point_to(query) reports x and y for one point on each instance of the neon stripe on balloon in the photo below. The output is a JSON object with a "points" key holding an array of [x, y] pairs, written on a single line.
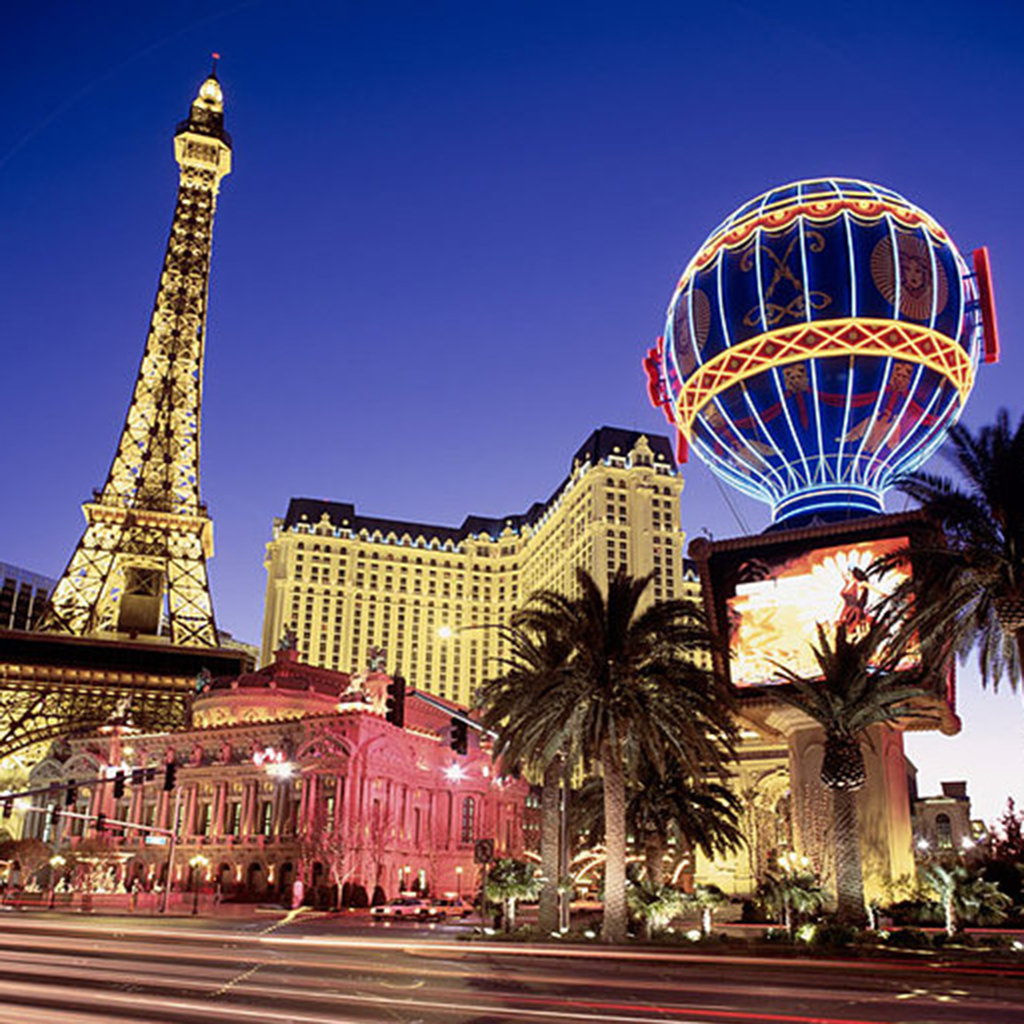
{"points": [[734, 236]]}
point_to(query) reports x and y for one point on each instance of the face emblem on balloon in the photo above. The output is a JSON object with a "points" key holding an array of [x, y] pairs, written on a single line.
{"points": [[920, 281]]}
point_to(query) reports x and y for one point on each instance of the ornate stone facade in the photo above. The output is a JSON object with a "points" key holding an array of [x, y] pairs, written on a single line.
{"points": [[293, 774]]}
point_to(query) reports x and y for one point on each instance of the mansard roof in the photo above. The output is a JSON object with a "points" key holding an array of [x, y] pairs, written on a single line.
{"points": [[600, 445]]}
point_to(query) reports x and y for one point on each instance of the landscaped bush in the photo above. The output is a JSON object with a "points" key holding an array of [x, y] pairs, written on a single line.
{"points": [[832, 934], [909, 938], [753, 913], [914, 912]]}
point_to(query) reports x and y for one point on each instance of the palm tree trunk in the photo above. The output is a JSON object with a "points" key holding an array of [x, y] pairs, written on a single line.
{"points": [[654, 859], [613, 924], [547, 912], [849, 879]]}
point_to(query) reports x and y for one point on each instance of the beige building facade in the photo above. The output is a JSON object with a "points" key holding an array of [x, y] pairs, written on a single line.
{"points": [[432, 595]]}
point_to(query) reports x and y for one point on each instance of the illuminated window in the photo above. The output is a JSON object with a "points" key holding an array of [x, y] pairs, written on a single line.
{"points": [[943, 832], [468, 819]]}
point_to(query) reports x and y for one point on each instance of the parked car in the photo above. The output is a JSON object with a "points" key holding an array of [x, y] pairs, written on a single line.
{"points": [[452, 906], [406, 906]]}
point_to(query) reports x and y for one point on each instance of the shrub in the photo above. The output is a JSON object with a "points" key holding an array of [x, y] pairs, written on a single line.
{"points": [[911, 912], [832, 934], [909, 938]]}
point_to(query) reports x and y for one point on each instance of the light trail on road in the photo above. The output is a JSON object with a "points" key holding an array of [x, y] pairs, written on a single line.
{"points": [[178, 974]]}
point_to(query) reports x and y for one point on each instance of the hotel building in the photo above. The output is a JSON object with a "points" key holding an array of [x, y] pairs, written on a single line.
{"points": [[431, 595]]}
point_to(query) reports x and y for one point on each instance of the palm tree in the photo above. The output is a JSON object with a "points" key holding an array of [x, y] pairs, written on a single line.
{"points": [[965, 896], [513, 705], [707, 899], [791, 895], [862, 682], [633, 685], [698, 814], [971, 589], [656, 905]]}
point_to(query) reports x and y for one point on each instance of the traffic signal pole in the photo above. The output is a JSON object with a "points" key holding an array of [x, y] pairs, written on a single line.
{"points": [[165, 896]]}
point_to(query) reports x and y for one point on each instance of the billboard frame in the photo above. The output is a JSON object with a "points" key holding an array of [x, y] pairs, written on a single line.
{"points": [[718, 562]]}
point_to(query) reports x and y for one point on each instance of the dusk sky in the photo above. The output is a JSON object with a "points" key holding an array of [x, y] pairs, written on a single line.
{"points": [[451, 232]]}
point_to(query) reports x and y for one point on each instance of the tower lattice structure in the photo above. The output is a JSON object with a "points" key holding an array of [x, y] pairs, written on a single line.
{"points": [[140, 566]]}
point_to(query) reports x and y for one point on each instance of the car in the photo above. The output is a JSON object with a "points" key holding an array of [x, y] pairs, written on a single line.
{"points": [[406, 906], [452, 906]]}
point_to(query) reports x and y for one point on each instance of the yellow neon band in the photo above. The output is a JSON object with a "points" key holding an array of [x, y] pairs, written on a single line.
{"points": [[850, 336]]}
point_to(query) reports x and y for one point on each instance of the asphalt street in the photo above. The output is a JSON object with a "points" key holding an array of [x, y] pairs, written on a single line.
{"points": [[311, 969]]}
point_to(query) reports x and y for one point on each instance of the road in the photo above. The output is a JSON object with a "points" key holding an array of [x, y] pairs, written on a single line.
{"points": [[321, 970]]}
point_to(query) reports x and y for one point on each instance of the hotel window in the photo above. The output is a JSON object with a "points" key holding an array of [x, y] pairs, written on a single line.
{"points": [[202, 820], [468, 819]]}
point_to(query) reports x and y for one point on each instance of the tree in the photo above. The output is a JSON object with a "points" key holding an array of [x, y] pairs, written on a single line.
{"points": [[971, 589], [514, 703], [965, 897], [655, 904], [30, 854], [633, 685], [509, 881], [861, 682], [791, 895], [1008, 842], [1004, 860], [326, 843], [697, 814], [707, 899]]}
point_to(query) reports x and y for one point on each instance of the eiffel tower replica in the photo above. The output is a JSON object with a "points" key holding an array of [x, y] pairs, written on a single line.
{"points": [[130, 623]]}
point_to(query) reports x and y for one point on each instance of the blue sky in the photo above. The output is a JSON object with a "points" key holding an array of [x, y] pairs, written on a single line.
{"points": [[452, 230]]}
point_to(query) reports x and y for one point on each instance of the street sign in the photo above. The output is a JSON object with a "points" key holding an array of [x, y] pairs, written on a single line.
{"points": [[483, 851]]}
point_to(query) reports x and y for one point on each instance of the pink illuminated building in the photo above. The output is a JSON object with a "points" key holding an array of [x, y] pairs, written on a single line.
{"points": [[292, 773]]}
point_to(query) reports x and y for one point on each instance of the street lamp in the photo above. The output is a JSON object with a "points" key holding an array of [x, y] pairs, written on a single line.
{"points": [[195, 863], [56, 861], [458, 881]]}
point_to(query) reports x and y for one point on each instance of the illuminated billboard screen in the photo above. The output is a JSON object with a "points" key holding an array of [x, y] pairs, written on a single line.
{"points": [[778, 602]]}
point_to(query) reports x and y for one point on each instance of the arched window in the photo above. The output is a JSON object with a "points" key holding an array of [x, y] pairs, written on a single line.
{"points": [[468, 819], [943, 832]]}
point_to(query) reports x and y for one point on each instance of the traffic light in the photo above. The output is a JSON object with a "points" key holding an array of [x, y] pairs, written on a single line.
{"points": [[138, 776], [8, 806], [101, 823], [54, 814], [71, 794], [170, 776], [118, 785], [396, 701], [460, 736]]}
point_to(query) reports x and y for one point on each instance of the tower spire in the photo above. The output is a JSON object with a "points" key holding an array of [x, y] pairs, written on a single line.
{"points": [[140, 566]]}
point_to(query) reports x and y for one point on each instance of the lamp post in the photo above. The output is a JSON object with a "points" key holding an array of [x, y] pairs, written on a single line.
{"points": [[56, 861], [458, 881], [196, 863]]}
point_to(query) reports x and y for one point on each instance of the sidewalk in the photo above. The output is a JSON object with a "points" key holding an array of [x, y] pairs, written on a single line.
{"points": [[146, 904]]}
